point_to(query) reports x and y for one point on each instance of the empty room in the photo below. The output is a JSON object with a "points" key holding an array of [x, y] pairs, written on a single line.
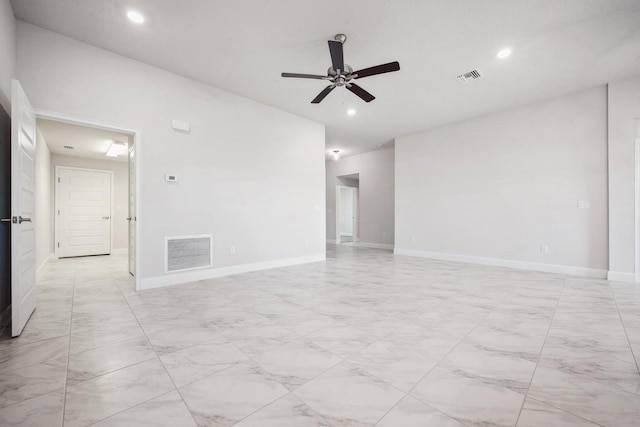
{"points": [[338, 213]]}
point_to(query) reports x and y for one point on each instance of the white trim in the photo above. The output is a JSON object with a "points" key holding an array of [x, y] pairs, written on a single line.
{"points": [[617, 276], [636, 207], [192, 276], [66, 118], [374, 245], [338, 213], [521, 265], [137, 141], [56, 204], [195, 236]]}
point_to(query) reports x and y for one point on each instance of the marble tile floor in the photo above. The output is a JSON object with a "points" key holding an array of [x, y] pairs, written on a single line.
{"points": [[364, 339]]}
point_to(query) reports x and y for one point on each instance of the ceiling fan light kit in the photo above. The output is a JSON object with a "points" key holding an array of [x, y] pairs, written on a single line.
{"points": [[340, 74]]}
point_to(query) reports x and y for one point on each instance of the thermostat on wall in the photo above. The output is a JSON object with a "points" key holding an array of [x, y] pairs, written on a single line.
{"points": [[181, 126], [171, 178]]}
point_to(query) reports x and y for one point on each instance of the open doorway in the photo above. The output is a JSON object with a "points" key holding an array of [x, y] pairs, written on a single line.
{"points": [[85, 176], [347, 209]]}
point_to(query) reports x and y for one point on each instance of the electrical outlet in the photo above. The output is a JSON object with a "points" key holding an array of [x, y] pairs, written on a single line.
{"points": [[232, 250], [413, 239], [544, 249]]}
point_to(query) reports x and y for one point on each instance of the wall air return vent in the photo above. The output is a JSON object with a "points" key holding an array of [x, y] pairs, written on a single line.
{"points": [[188, 252], [467, 77]]}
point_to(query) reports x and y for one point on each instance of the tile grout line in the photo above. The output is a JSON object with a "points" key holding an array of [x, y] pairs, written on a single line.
{"points": [[125, 410], [533, 374], [234, 364], [66, 379], [158, 358], [624, 328], [567, 412], [408, 393]]}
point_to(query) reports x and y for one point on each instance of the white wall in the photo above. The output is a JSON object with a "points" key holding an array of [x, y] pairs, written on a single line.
{"points": [[249, 174], [376, 194], [7, 53], [120, 201], [501, 185], [346, 211], [624, 119], [43, 202]]}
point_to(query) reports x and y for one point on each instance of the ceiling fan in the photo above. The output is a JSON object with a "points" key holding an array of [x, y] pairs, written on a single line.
{"points": [[341, 74]]}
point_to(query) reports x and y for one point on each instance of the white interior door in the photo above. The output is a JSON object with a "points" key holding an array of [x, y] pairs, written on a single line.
{"points": [[132, 210], [23, 254], [83, 212]]}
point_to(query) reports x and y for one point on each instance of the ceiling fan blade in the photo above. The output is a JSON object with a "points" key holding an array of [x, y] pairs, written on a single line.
{"points": [[323, 94], [337, 58], [378, 69], [366, 96], [304, 76]]}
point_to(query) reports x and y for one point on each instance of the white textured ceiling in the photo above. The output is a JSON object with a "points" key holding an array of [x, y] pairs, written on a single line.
{"points": [[559, 46], [87, 142]]}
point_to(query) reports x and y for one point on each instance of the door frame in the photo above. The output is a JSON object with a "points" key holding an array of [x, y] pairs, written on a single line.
{"points": [[356, 213], [137, 141], [636, 191], [56, 204]]}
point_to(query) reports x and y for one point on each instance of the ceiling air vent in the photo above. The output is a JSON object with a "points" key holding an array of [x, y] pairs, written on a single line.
{"points": [[467, 77]]}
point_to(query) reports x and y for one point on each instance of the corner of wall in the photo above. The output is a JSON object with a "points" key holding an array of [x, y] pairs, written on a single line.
{"points": [[7, 53]]}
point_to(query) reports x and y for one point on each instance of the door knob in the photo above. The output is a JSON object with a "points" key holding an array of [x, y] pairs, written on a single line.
{"points": [[106, 217], [22, 219], [129, 218]]}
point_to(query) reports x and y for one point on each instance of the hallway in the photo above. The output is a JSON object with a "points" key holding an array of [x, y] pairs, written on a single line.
{"points": [[366, 338]]}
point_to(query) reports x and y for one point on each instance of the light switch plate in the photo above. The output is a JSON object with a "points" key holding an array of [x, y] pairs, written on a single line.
{"points": [[583, 204]]}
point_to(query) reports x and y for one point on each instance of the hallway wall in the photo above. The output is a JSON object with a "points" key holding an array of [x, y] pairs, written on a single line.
{"points": [[376, 195], [7, 53]]}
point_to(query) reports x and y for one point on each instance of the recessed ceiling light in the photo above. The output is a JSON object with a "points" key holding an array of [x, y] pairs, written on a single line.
{"points": [[335, 154], [504, 53], [136, 17], [351, 111]]}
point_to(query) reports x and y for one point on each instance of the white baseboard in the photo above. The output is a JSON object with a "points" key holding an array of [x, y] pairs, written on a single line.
{"points": [[193, 276], [617, 276], [375, 245], [496, 262]]}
